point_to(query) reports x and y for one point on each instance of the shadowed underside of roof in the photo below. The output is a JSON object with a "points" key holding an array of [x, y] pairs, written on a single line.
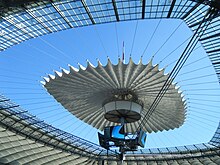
{"points": [[16, 149], [26, 139]]}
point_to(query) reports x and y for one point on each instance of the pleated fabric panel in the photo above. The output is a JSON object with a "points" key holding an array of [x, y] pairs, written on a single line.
{"points": [[83, 91]]}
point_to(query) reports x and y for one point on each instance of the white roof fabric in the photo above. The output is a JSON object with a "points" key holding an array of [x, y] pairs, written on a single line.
{"points": [[82, 92]]}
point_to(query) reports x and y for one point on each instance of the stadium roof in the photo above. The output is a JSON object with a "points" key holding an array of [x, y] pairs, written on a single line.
{"points": [[26, 139], [22, 22], [93, 86]]}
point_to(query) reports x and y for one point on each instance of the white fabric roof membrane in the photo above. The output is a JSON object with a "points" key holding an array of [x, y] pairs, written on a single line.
{"points": [[82, 92]]}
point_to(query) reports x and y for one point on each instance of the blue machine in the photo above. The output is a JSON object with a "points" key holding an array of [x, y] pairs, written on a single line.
{"points": [[115, 136]]}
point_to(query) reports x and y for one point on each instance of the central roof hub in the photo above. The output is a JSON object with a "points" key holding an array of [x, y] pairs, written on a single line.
{"points": [[125, 105]]}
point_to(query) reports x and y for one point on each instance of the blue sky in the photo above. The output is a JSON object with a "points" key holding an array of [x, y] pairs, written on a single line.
{"points": [[24, 65]]}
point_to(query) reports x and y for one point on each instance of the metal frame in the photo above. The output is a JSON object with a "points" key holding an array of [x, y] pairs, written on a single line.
{"points": [[22, 22]]}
